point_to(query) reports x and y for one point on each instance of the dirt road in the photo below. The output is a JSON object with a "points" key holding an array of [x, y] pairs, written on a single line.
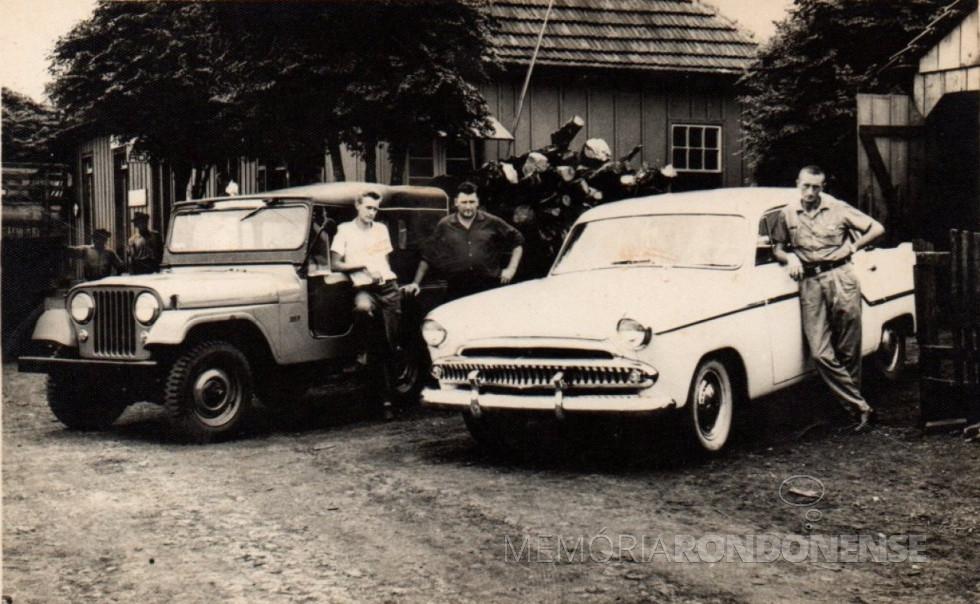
{"points": [[354, 508]]}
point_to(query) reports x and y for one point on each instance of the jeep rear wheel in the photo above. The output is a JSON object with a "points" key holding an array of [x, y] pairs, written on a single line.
{"points": [[208, 394], [81, 403], [408, 371]]}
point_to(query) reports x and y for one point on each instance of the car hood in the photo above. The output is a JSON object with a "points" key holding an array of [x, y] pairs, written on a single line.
{"points": [[589, 304], [207, 288]]}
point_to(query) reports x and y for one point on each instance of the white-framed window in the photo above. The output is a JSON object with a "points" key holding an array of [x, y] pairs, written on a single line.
{"points": [[695, 147], [440, 157]]}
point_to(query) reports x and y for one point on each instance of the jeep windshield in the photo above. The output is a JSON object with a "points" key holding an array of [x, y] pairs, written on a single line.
{"points": [[668, 240], [241, 225]]}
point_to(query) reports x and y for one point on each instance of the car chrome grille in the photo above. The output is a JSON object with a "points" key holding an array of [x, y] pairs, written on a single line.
{"points": [[583, 374], [114, 326]]}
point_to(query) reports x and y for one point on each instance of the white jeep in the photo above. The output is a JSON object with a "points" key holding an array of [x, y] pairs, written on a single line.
{"points": [[245, 303]]}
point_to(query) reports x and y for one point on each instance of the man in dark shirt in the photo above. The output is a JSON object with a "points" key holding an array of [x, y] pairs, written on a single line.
{"points": [[468, 247]]}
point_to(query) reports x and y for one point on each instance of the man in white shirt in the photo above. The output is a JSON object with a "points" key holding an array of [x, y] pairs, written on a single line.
{"points": [[361, 249]]}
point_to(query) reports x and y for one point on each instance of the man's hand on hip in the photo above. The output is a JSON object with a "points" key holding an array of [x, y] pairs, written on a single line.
{"points": [[795, 266]]}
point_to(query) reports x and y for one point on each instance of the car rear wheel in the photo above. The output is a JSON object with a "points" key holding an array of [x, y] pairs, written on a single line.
{"points": [[82, 403], [710, 407], [209, 392], [892, 354]]}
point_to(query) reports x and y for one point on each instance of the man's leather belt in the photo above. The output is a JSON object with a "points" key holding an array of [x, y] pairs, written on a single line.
{"points": [[812, 269]]}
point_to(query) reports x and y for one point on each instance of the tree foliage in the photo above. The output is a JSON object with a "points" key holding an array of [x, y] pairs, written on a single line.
{"points": [[799, 94], [197, 83], [29, 129]]}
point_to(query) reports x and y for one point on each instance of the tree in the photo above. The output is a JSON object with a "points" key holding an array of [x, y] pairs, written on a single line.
{"points": [[29, 129], [197, 83], [799, 94]]}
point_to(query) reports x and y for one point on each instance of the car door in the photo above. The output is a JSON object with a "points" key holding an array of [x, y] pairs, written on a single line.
{"points": [[790, 355]]}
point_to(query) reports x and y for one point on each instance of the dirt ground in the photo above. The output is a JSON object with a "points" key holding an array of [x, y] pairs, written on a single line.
{"points": [[355, 508]]}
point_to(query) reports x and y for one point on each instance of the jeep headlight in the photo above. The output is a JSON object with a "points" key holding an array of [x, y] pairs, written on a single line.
{"points": [[633, 333], [433, 333], [82, 306], [147, 308]]}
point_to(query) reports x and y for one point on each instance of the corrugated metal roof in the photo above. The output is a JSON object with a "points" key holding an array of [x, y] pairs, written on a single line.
{"points": [[681, 35]]}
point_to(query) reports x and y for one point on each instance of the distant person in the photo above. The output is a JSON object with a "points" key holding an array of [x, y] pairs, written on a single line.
{"points": [[98, 261], [468, 247], [232, 188], [145, 247], [812, 237]]}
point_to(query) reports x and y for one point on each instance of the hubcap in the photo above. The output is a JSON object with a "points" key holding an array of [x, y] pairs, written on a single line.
{"points": [[709, 397], [216, 397]]}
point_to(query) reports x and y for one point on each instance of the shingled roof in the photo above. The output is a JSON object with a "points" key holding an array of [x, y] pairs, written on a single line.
{"points": [[662, 35]]}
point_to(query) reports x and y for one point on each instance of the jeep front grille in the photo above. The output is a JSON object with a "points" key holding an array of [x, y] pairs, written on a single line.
{"points": [[114, 326], [582, 374]]}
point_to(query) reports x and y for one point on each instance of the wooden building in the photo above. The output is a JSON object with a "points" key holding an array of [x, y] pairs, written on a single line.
{"points": [[659, 73], [919, 161]]}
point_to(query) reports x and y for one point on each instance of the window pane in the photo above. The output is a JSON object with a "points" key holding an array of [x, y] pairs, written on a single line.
{"points": [[694, 160], [710, 160], [696, 137], [680, 159], [711, 138], [680, 136]]}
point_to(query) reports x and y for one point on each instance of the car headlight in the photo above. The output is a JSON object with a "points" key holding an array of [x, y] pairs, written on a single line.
{"points": [[82, 307], [433, 333], [633, 333], [147, 308]]}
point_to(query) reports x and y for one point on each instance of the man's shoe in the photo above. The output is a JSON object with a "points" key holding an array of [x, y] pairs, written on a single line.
{"points": [[864, 423], [389, 410]]}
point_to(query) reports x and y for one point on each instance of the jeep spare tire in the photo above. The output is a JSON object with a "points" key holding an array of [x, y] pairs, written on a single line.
{"points": [[208, 395]]}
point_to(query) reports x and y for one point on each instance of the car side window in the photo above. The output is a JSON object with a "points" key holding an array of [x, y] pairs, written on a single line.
{"points": [[763, 246]]}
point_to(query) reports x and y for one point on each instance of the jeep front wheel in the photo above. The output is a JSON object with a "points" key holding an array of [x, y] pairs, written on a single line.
{"points": [[82, 403], [208, 395]]}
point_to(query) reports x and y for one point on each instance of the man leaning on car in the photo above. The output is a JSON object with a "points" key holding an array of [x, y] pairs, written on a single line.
{"points": [[812, 237]]}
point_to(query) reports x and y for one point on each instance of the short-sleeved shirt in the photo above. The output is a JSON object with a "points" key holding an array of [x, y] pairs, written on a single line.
{"points": [[369, 247], [821, 236], [455, 250]]}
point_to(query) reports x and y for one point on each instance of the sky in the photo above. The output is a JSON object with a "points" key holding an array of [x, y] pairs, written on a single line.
{"points": [[30, 28]]}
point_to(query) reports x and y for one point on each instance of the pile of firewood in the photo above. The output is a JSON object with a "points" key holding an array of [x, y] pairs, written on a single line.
{"points": [[544, 191]]}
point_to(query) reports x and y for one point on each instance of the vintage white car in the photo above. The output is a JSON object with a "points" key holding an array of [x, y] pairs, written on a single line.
{"points": [[663, 303]]}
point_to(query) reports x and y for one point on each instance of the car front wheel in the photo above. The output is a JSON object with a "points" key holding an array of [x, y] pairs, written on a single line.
{"points": [[710, 405], [209, 392]]}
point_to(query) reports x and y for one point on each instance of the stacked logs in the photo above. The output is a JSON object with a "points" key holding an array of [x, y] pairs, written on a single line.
{"points": [[544, 191]]}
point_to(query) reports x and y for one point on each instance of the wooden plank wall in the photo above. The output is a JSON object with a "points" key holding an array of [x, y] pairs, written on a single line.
{"points": [[953, 65], [903, 157], [624, 115]]}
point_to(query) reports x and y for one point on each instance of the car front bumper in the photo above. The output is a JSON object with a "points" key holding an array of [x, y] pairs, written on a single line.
{"points": [[556, 402]]}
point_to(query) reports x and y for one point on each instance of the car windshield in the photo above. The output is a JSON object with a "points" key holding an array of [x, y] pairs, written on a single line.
{"points": [[675, 240], [246, 225]]}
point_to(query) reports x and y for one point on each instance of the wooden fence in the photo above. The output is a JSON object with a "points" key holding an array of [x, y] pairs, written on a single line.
{"points": [[947, 287]]}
